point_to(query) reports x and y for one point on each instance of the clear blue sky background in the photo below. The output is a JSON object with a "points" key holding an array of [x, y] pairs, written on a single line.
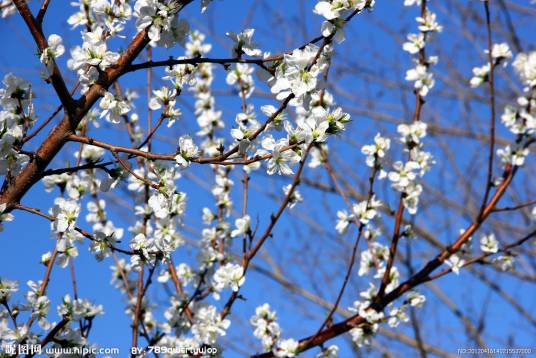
{"points": [[24, 240]]}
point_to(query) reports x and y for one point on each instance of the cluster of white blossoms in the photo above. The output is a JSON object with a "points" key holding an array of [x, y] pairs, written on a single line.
{"points": [[16, 118], [489, 245], [205, 327], [113, 107], [500, 53], [525, 66], [200, 79], [316, 121], [362, 334], [241, 76], [159, 17], [246, 125], [455, 261], [404, 179], [269, 140], [208, 325], [267, 330], [521, 120], [298, 72], [229, 275], [111, 15], [184, 274], [242, 226], [78, 309], [159, 209], [38, 306], [166, 206], [335, 13], [376, 256], [366, 210], [93, 57], [104, 231], [363, 212], [266, 327], [376, 153], [90, 153], [218, 232], [166, 98], [504, 262], [66, 210], [405, 174], [420, 75]]}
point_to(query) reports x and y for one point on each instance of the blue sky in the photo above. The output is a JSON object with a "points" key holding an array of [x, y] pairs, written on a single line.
{"points": [[24, 240]]}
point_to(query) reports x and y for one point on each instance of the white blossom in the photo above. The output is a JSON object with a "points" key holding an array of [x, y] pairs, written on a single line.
{"points": [[489, 244], [343, 221], [229, 275], [187, 151], [54, 50], [282, 158], [113, 107], [504, 262], [329, 352], [7, 289], [397, 315], [412, 2], [500, 52], [94, 52], [242, 226], [244, 43], [294, 198], [455, 263], [412, 133], [66, 212], [208, 325], [90, 153], [362, 335], [286, 348], [428, 23], [423, 79], [403, 174], [366, 210], [480, 75], [525, 67], [513, 155], [415, 299], [414, 44], [315, 128]]}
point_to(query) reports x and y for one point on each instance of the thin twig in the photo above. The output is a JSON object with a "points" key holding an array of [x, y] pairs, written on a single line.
{"points": [[491, 83], [42, 11]]}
